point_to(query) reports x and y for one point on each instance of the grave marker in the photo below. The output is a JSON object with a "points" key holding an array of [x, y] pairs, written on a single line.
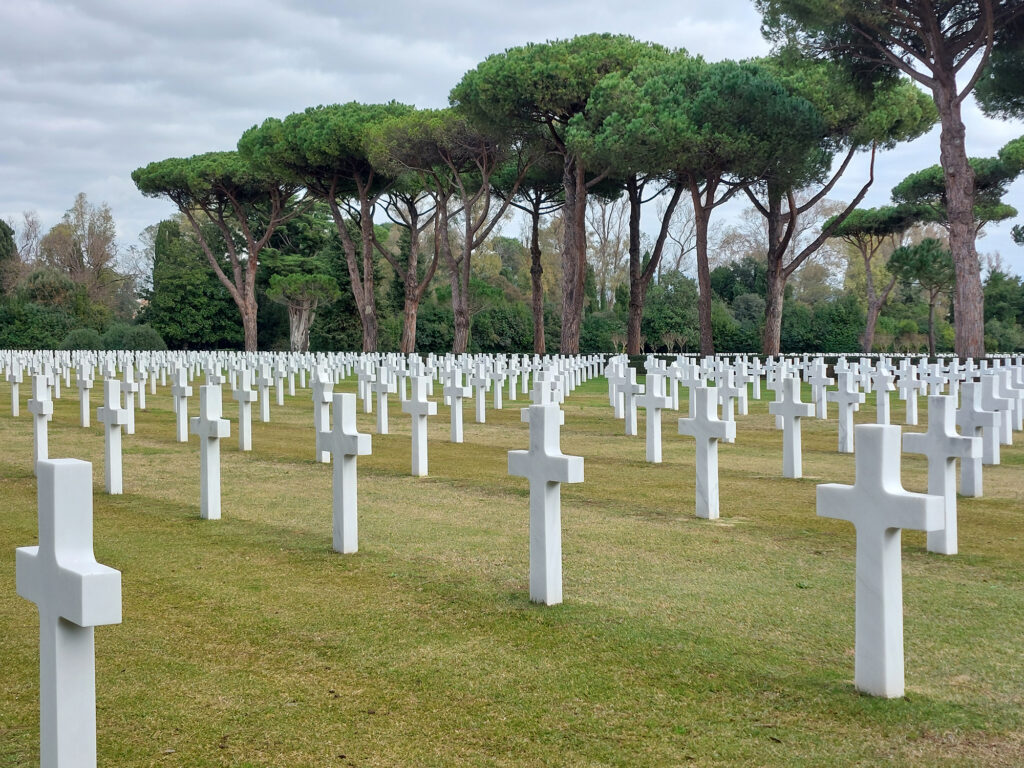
{"points": [[546, 467], [791, 410], [74, 593], [345, 442], [418, 407], [653, 401], [181, 391], [113, 417], [210, 428], [41, 408], [708, 429], [943, 446], [879, 508]]}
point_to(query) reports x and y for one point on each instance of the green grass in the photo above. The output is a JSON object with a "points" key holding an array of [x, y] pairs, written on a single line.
{"points": [[248, 642]]}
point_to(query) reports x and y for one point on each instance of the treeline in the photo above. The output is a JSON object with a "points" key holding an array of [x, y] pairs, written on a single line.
{"points": [[56, 297], [69, 287], [825, 305], [546, 128]]}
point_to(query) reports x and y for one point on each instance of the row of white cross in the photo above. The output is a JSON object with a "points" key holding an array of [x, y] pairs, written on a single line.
{"points": [[74, 593]]}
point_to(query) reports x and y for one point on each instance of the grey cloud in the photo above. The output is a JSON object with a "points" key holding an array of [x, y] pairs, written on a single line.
{"points": [[89, 91]]}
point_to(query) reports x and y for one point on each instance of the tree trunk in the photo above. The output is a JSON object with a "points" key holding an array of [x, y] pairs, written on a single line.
{"points": [[636, 283], [412, 307], [300, 319], [364, 298], [931, 327], [369, 320], [574, 255], [959, 176], [460, 309], [775, 296], [249, 324], [369, 308], [536, 285], [874, 310], [701, 217], [771, 339]]}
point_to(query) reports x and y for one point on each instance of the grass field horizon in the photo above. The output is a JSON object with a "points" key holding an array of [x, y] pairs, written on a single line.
{"points": [[248, 642]]}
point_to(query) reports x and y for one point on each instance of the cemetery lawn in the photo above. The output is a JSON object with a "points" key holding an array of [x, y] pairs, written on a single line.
{"points": [[248, 642]]}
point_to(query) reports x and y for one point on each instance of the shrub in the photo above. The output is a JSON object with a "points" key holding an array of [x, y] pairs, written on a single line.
{"points": [[83, 338], [143, 337]]}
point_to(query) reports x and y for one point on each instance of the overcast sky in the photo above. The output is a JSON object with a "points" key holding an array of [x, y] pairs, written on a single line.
{"points": [[91, 90]]}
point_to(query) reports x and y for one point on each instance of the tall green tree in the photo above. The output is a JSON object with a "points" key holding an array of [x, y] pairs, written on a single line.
{"points": [[929, 264], [539, 88], [926, 189], [324, 149], [456, 159], [874, 233], [853, 120], [1001, 87], [302, 293], [244, 204], [9, 258], [540, 194], [944, 47], [408, 148], [737, 122], [636, 127], [186, 303]]}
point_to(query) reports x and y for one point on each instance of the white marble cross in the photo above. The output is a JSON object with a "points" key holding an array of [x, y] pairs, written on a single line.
{"points": [[264, 380], [992, 400], [883, 383], [279, 374], [730, 392], [141, 374], [454, 392], [653, 401], [345, 442], [113, 417], [779, 374], [381, 387], [616, 377], [479, 383], [497, 379], [943, 446], [847, 397], [909, 385], [974, 421], [879, 508], [41, 408], [791, 410], [129, 386], [1015, 395], [708, 429], [419, 408], [85, 381], [991, 437], [181, 391], [546, 467], [14, 379], [244, 395], [628, 391], [934, 378], [323, 387], [210, 428], [820, 381], [74, 593]]}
